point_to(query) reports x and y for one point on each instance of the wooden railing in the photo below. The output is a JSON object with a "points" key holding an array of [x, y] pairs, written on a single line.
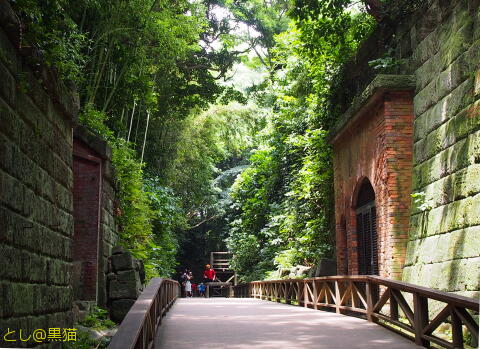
{"points": [[139, 328], [398, 306]]}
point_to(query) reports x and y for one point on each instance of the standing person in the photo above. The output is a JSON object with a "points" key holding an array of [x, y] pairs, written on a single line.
{"points": [[182, 280], [188, 283], [209, 274], [201, 289]]}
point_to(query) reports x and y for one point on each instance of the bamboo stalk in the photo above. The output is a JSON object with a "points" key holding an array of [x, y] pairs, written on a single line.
{"points": [[145, 137]]}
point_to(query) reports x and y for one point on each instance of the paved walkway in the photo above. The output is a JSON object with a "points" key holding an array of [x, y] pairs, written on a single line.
{"points": [[198, 323]]}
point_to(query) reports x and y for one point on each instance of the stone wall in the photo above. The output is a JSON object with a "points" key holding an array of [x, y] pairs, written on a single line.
{"points": [[440, 46], [125, 282], [444, 247], [36, 114]]}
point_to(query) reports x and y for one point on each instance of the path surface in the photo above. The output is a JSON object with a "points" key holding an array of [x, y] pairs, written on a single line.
{"points": [[198, 323]]}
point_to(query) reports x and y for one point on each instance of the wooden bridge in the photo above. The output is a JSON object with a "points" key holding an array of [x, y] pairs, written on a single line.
{"points": [[331, 312]]}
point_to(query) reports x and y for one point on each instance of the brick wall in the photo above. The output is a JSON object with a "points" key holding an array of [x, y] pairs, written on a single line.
{"points": [[376, 145], [87, 171], [35, 192], [95, 226]]}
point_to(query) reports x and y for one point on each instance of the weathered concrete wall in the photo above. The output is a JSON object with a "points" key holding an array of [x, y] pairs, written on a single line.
{"points": [[36, 222], [444, 247], [440, 45]]}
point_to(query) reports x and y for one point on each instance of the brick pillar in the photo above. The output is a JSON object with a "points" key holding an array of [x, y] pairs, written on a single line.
{"points": [[376, 145], [87, 170]]}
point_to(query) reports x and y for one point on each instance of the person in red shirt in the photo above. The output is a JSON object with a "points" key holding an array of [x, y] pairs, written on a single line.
{"points": [[209, 274]]}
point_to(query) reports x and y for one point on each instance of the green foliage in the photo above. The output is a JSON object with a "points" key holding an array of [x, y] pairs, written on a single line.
{"points": [[149, 70], [149, 213], [54, 34], [282, 212], [168, 222], [135, 220], [208, 139], [420, 202], [98, 319], [387, 63], [131, 60]]}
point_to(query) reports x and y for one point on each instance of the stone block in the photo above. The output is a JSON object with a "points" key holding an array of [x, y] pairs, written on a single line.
{"points": [[118, 290], [12, 192], [120, 308], [58, 272], [126, 285], [11, 263], [476, 89], [460, 155], [7, 228], [302, 270], [6, 154], [8, 86], [130, 277], [326, 267], [122, 261], [34, 267], [111, 276], [446, 135], [8, 53], [141, 271]]}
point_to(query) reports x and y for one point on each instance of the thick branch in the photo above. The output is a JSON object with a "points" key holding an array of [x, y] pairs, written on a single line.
{"points": [[204, 221]]}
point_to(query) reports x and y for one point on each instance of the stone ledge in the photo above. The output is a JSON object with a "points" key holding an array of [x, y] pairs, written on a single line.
{"points": [[380, 84], [93, 141]]}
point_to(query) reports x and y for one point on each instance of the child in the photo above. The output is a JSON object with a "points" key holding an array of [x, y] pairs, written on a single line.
{"points": [[201, 289]]}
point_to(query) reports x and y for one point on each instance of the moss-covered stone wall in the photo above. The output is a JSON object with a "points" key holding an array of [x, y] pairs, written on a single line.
{"points": [[444, 243], [36, 222]]}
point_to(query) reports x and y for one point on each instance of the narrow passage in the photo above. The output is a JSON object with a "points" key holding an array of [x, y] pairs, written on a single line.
{"points": [[251, 323]]}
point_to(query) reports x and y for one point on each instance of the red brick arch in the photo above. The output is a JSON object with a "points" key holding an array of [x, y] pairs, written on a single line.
{"points": [[376, 146]]}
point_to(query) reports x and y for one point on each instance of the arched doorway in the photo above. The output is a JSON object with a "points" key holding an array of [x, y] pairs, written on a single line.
{"points": [[366, 218]]}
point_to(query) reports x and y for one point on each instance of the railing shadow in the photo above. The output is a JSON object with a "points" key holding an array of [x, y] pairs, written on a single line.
{"points": [[398, 306]]}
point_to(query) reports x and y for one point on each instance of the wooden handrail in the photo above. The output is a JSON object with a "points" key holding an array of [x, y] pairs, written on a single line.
{"points": [[380, 300], [139, 328]]}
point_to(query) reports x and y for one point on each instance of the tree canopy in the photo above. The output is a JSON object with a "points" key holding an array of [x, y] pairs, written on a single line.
{"points": [[202, 163]]}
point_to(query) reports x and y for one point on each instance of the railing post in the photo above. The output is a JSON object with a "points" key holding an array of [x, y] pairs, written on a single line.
{"points": [[305, 294], [372, 299], [393, 306], [337, 297], [288, 289], [420, 314], [315, 295], [457, 334], [299, 293]]}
